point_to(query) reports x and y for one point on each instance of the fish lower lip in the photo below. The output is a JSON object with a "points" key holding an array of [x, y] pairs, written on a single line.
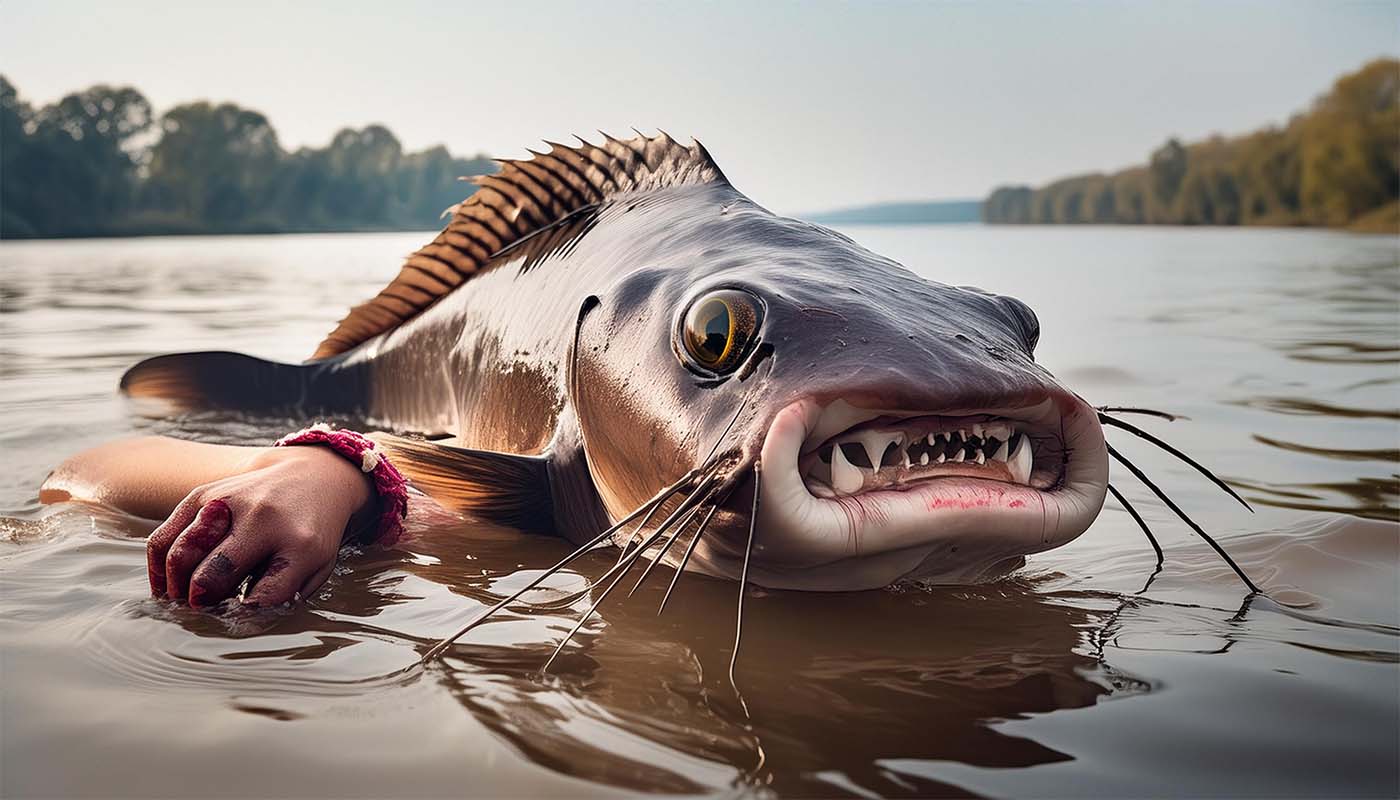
{"points": [[880, 483]]}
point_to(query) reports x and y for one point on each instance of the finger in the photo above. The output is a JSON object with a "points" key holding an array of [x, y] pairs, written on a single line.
{"points": [[210, 526], [314, 582], [165, 534], [217, 577], [286, 575]]}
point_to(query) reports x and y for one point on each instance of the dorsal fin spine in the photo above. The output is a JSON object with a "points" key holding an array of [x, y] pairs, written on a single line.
{"points": [[541, 175], [593, 153], [468, 226], [626, 158], [401, 294], [434, 284], [443, 271], [396, 304], [566, 178], [591, 173], [606, 184], [516, 175], [589, 188], [467, 244], [460, 262], [380, 314], [546, 204], [545, 164], [527, 208], [525, 198], [491, 217]]}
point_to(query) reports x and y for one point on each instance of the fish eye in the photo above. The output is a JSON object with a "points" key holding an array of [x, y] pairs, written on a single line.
{"points": [[719, 329]]}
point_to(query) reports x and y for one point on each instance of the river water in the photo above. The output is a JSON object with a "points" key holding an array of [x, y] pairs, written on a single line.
{"points": [[1069, 678]]}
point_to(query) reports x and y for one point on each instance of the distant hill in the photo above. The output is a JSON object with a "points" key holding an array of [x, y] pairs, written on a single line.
{"points": [[933, 211], [1336, 164]]}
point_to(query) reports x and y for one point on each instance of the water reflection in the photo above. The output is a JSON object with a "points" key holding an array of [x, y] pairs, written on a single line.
{"points": [[834, 684], [1365, 497]]}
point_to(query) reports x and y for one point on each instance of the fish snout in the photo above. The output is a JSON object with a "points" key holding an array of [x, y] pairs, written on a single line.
{"points": [[859, 493]]}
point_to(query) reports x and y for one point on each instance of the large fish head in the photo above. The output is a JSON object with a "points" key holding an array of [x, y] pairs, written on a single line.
{"points": [[892, 427]]}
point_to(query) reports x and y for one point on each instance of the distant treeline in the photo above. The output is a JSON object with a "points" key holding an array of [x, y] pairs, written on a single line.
{"points": [[100, 163], [1337, 164]]}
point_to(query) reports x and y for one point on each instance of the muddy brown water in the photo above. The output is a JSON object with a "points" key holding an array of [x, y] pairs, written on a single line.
{"points": [[1067, 679]]}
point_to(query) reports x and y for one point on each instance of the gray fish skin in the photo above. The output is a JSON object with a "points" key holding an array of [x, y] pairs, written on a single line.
{"points": [[566, 349]]}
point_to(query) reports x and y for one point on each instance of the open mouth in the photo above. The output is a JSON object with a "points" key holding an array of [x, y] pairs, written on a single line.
{"points": [[890, 453], [856, 497]]}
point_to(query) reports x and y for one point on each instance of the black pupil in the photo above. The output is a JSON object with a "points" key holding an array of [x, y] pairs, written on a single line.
{"points": [[713, 331]]}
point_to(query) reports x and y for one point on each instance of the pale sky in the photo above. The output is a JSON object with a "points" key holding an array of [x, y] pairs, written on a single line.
{"points": [[805, 106]]}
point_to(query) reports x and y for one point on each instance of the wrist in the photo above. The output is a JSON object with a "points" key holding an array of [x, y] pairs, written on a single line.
{"points": [[339, 478], [386, 489]]}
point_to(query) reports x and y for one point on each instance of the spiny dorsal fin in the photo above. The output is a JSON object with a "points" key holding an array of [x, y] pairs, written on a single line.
{"points": [[524, 197]]}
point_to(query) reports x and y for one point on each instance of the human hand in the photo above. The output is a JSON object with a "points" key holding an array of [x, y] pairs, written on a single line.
{"points": [[285, 517]]}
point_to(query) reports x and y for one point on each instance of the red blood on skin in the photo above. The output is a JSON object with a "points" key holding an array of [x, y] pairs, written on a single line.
{"points": [[979, 498], [940, 502], [210, 527]]}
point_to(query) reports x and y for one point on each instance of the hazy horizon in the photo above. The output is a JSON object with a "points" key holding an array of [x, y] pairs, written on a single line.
{"points": [[806, 108]]}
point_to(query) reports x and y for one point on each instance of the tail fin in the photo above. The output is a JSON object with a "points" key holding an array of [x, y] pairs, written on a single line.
{"points": [[235, 381]]}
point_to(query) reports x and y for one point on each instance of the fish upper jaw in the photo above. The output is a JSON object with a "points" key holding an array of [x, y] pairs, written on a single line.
{"points": [[856, 497]]}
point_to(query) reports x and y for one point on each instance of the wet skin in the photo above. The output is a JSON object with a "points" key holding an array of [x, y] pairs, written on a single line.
{"points": [[569, 349], [577, 344]]}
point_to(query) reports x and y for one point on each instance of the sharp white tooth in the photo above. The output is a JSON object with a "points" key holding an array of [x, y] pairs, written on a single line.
{"points": [[977, 431], [923, 459], [1020, 463], [941, 458], [960, 456], [962, 434], [981, 457], [845, 476], [1003, 451], [876, 442]]}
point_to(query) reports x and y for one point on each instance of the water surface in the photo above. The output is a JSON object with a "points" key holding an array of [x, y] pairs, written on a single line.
{"points": [[1283, 347]]}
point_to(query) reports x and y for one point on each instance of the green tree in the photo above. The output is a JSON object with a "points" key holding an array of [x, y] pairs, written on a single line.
{"points": [[70, 167], [1335, 164], [16, 163], [1269, 176], [1349, 146], [1166, 170], [213, 166], [1130, 196]]}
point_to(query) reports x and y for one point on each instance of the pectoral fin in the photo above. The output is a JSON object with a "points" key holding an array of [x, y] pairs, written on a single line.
{"points": [[500, 488]]}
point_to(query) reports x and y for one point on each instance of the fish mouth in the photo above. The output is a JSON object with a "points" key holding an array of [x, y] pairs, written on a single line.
{"points": [[891, 452], [857, 496]]}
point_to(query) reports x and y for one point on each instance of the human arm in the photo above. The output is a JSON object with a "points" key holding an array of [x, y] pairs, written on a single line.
{"points": [[230, 512]]}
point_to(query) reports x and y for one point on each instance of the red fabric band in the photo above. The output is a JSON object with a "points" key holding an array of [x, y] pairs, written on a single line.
{"points": [[360, 450]]}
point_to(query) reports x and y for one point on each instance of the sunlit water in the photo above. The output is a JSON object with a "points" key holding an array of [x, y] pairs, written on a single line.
{"points": [[1283, 347]]}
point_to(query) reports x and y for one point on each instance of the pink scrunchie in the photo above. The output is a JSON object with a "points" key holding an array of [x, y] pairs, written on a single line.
{"points": [[389, 483]]}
